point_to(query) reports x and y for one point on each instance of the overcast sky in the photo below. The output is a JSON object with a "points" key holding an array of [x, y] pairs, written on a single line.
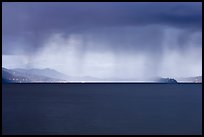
{"points": [[124, 39]]}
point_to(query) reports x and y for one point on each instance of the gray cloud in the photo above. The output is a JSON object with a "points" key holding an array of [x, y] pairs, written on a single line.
{"points": [[35, 21], [144, 36], [44, 16]]}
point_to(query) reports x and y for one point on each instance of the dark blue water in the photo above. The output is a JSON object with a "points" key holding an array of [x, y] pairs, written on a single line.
{"points": [[102, 109]]}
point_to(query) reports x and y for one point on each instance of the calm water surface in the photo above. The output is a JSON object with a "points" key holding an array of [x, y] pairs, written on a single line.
{"points": [[102, 109]]}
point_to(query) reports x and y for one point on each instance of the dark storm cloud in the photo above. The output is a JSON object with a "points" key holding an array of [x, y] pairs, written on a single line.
{"points": [[124, 40], [33, 22], [48, 16]]}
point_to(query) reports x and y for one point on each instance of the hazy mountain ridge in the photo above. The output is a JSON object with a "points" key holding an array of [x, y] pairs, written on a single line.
{"points": [[51, 73], [47, 72], [20, 75], [13, 76], [9, 77]]}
